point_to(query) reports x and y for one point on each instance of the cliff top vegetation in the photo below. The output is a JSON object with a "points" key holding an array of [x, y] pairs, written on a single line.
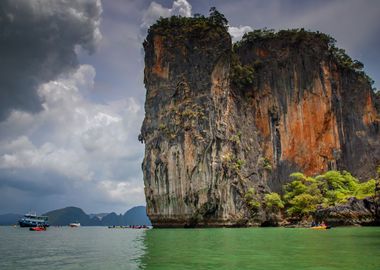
{"points": [[178, 27], [297, 35], [198, 23]]}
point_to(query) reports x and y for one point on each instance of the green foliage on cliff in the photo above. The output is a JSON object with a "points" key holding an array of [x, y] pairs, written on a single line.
{"points": [[233, 163], [217, 18], [273, 202], [293, 36], [303, 195], [252, 201], [303, 205], [377, 102], [197, 24], [242, 76], [265, 163]]}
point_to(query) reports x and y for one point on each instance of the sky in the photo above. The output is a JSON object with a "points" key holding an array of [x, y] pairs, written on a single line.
{"points": [[72, 93]]}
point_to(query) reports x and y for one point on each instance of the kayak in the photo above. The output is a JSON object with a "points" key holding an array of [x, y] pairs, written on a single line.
{"points": [[37, 229], [320, 227]]}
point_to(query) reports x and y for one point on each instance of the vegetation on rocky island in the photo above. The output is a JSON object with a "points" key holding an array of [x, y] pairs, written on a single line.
{"points": [[252, 201], [242, 76], [377, 99], [303, 195], [300, 34], [273, 202], [196, 24]]}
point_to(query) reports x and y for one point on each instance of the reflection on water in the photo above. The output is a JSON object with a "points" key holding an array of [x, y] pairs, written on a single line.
{"points": [[269, 248], [265, 248]]}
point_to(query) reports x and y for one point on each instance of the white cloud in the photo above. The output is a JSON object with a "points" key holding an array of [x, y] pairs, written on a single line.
{"points": [[119, 191], [74, 140], [238, 32], [155, 11], [181, 7]]}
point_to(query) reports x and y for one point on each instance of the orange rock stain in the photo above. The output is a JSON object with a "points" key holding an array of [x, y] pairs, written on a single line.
{"points": [[370, 114], [308, 130], [262, 53], [158, 68]]}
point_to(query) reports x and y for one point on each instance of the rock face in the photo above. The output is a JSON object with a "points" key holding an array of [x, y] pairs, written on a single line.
{"points": [[354, 212], [207, 141]]}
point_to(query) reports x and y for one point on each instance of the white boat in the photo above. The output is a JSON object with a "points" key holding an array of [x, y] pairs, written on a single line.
{"points": [[74, 225]]}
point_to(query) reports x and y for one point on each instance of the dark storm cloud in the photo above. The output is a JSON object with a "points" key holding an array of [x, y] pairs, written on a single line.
{"points": [[33, 181], [38, 42]]}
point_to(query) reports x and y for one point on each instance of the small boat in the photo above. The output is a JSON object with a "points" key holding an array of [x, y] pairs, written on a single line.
{"points": [[320, 227], [138, 227], [32, 220], [117, 227], [37, 229], [74, 225]]}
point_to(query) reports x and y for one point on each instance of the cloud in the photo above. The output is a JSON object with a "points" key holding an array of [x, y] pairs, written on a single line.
{"points": [[38, 42], [155, 11], [238, 32], [74, 147]]}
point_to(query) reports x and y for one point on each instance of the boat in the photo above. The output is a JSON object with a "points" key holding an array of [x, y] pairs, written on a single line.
{"points": [[320, 227], [138, 227], [117, 227], [32, 220], [37, 229], [74, 225]]}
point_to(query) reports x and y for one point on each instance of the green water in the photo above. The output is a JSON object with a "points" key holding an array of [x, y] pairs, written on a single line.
{"points": [[251, 248]]}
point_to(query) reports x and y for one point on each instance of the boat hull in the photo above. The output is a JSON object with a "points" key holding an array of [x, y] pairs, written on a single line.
{"points": [[37, 229]]}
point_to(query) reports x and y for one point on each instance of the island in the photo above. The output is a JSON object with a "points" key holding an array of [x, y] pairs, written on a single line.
{"points": [[281, 127]]}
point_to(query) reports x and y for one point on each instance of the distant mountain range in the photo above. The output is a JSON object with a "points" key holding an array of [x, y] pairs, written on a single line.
{"points": [[61, 217]]}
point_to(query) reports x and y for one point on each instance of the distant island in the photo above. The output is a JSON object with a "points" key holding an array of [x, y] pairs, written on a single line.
{"points": [[62, 217]]}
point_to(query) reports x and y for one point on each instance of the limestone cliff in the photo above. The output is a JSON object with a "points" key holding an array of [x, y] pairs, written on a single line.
{"points": [[221, 119]]}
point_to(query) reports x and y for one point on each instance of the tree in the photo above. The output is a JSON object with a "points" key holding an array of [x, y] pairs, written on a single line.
{"points": [[365, 189], [295, 187], [273, 202], [337, 187], [302, 195], [251, 201], [217, 18], [303, 205]]}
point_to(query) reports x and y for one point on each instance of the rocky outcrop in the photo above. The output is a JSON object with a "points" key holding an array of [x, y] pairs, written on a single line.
{"points": [[209, 139], [312, 113], [354, 212]]}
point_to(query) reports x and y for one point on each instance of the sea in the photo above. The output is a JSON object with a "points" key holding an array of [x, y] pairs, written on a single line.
{"points": [[356, 248]]}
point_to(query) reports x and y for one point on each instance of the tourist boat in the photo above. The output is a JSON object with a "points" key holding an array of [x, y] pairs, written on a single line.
{"points": [[32, 220], [74, 225], [38, 229]]}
